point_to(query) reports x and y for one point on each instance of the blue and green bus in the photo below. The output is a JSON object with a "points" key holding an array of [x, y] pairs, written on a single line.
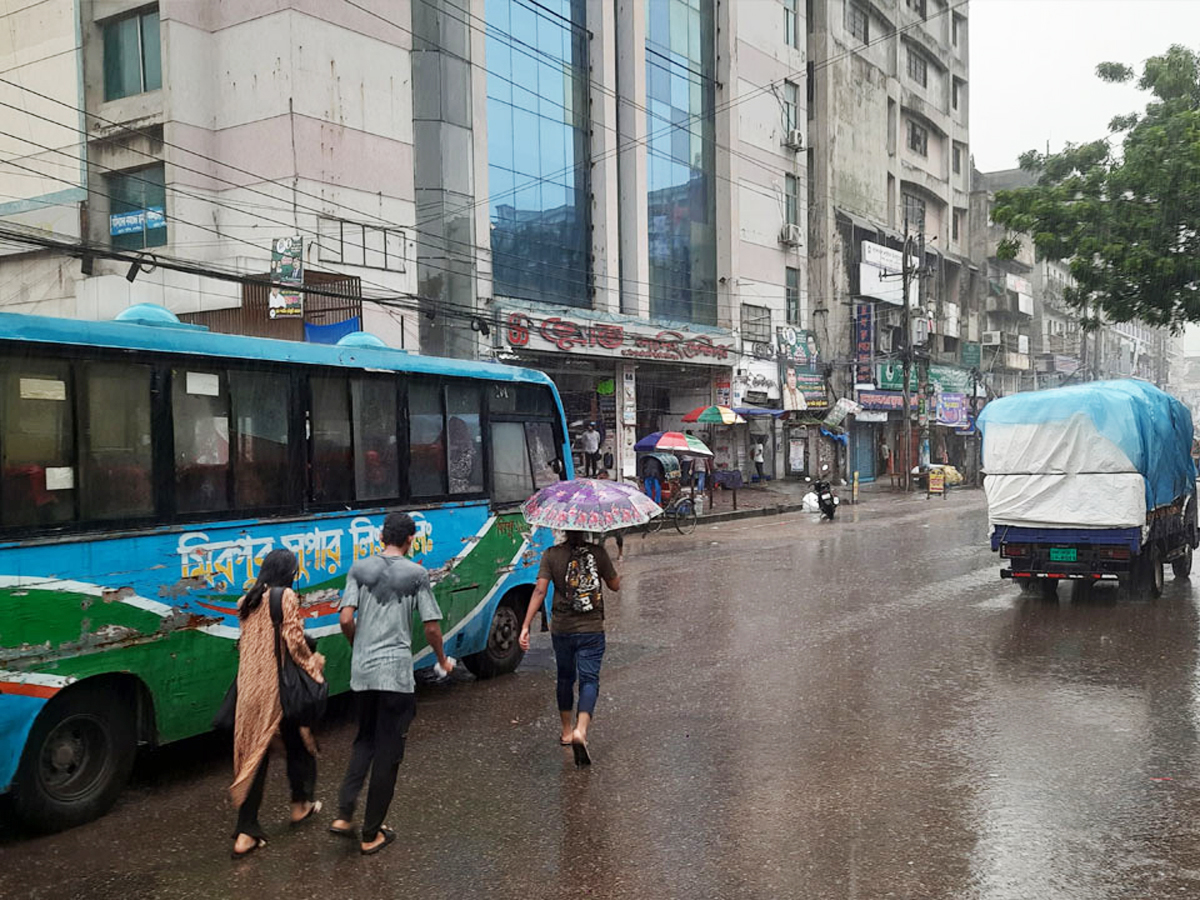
{"points": [[147, 467]]}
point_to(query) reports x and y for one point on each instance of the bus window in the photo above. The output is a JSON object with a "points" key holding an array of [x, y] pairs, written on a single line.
{"points": [[115, 457], [376, 461], [332, 464], [200, 409], [521, 399], [464, 439], [260, 462], [543, 452], [427, 452], [38, 444], [512, 481]]}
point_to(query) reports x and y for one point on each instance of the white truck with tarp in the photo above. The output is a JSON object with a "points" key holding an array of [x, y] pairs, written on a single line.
{"points": [[1090, 482]]}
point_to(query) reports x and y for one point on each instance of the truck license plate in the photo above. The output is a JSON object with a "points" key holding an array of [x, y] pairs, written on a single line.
{"points": [[1063, 554]]}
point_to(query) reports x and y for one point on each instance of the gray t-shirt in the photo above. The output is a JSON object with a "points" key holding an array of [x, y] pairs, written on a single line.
{"points": [[385, 590]]}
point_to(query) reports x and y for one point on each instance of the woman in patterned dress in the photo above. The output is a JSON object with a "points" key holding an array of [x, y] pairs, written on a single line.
{"points": [[259, 717]]}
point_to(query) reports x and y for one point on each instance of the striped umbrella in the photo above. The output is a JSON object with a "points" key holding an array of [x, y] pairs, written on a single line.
{"points": [[674, 442], [714, 415]]}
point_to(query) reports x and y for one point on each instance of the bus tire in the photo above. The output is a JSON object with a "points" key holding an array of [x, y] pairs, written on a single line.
{"points": [[1154, 571], [77, 759], [503, 653], [1182, 565]]}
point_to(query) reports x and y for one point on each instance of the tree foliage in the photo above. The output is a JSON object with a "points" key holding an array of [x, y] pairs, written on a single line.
{"points": [[1128, 221]]}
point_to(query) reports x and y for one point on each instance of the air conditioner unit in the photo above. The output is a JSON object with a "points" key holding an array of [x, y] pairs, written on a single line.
{"points": [[991, 339], [794, 139], [792, 235]]}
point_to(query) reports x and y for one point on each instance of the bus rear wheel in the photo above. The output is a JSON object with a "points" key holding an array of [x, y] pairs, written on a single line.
{"points": [[503, 653], [1182, 565], [77, 759]]}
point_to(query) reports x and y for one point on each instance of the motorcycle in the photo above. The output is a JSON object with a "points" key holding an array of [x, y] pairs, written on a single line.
{"points": [[827, 500]]}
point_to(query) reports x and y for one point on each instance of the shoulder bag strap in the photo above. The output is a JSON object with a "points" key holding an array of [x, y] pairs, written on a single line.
{"points": [[275, 600]]}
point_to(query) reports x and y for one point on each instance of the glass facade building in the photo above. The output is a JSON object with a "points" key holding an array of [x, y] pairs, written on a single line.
{"points": [[681, 148], [538, 149]]}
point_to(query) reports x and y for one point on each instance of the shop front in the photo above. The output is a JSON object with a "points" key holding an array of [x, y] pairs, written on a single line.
{"points": [[624, 374]]}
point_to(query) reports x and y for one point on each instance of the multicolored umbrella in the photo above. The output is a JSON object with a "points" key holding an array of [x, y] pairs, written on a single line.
{"points": [[714, 415], [589, 504], [674, 442]]}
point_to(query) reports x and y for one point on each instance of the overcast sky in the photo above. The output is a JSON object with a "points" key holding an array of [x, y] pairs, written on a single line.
{"points": [[1033, 68]]}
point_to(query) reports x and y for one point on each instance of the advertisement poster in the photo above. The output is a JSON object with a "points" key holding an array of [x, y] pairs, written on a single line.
{"points": [[287, 271], [952, 409], [796, 455], [801, 384]]}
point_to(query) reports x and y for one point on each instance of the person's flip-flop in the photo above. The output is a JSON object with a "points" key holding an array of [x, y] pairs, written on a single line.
{"points": [[563, 743], [312, 811], [388, 837], [242, 854], [343, 832], [582, 757]]}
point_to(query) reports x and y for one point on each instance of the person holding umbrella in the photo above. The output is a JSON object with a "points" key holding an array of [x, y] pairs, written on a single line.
{"points": [[579, 571]]}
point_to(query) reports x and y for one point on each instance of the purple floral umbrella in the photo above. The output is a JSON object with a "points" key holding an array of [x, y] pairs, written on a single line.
{"points": [[589, 504]]}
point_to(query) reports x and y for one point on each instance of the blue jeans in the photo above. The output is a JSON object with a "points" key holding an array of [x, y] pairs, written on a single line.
{"points": [[578, 655], [654, 489]]}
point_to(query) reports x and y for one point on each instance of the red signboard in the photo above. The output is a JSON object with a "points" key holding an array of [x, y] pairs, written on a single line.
{"points": [[612, 339]]}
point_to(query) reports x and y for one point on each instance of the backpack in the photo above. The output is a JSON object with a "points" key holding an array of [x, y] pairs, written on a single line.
{"points": [[583, 593]]}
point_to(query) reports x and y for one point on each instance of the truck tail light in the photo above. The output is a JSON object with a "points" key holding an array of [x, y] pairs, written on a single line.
{"points": [[1014, 550], [1114, 552]]}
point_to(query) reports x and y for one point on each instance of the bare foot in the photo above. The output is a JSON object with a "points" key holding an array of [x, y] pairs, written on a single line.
{"points": [[566, 736], [303, 809]]}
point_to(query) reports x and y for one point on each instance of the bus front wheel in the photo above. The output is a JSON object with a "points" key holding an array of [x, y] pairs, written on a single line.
{"points": [[77, 759], [503, 653]]}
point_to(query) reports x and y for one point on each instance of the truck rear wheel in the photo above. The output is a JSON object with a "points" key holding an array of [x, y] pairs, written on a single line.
{"points": [[1182, 565], [1154, 574]]}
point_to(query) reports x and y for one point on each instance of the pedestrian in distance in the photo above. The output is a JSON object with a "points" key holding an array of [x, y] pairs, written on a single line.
{"points": [[382, 593], [579, 571], [757, 456], [589, 443], [259, 714], [619, 534]]}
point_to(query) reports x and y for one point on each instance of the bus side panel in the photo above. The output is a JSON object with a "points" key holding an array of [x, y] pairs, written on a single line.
{"points": [[17, 713], [162, 606]]}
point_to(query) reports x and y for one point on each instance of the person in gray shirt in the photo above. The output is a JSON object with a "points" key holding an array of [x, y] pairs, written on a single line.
{"points": [[382, 592]]}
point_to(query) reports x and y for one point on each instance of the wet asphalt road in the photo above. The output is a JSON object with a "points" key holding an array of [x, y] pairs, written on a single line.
{"points": [[789, 709]]}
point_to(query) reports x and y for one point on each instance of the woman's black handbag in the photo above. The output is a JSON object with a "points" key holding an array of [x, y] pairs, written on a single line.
{"points": [[302, 697], [227, 714]]}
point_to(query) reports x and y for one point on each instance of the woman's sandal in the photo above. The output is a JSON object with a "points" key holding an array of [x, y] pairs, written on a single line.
{"points": [[343, 832], [388, 837], [312, 811], [242, 854]]}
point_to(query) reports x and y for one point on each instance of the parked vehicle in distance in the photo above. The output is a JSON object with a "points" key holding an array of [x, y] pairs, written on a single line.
{"points": [[1089, 483]]}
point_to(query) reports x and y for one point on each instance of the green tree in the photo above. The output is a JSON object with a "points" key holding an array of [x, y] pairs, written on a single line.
{"points": [[1128, 220]]}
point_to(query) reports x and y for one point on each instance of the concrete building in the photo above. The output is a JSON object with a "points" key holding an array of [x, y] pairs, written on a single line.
{"points": [[888, 146], [613, 193], [207, 132]]}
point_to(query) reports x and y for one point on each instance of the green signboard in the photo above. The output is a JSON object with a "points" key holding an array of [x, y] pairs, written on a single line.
{"points": [[971, 354], [950, 379]]}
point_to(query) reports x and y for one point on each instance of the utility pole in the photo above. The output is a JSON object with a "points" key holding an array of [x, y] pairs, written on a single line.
{"points": [[906, 317]]}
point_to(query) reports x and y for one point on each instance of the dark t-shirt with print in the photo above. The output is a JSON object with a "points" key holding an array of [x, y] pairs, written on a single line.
{"points": [[578, 574]]}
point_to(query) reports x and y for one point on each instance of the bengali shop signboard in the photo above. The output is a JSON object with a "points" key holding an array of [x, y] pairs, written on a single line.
{"points": [[946, 378], [864, 342], [802, 386], [592, 337]]}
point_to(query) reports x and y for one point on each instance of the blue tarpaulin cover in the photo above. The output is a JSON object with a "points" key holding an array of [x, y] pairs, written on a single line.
{"points": [[1082, 446]]}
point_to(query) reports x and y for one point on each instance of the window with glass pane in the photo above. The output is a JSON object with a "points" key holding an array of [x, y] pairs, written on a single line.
{"points": [[918, 69], [512, 480], [914, 212], [538, 148], [37, 442], [791, 102], [115, 458], [200, 410], [132, 55], [332, 473], [790, 36], [137, 208], [426, 440], [376, 438], [756, 324], [261, 475], [543, 452], [857, 22], [793, 295], [464, 439], [792, 199]]}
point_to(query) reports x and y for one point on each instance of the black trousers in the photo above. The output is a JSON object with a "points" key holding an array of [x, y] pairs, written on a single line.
{"points": [[383, 720], [302, 776]]}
